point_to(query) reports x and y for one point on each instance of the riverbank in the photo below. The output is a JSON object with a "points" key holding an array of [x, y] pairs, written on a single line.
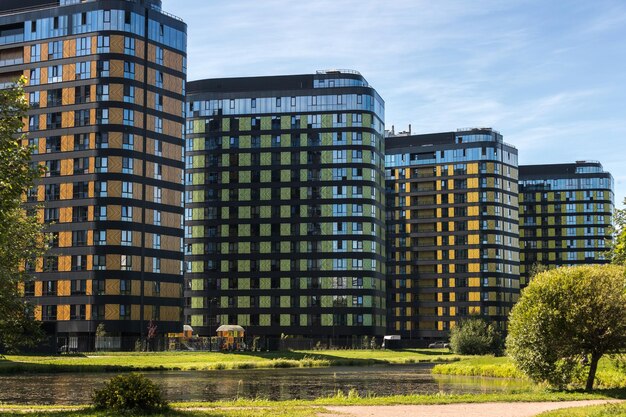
{"points": [[200, 361], [344, 404], [608, 375]]}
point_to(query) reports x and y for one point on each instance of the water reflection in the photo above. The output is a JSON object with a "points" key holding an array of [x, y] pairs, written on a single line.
{"points": [[283, 384]]}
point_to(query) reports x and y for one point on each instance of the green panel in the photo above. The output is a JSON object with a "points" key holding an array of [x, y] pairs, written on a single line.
{"points": [[224, 302], [244, 124], [327, 174], [224, 230], [266, 194], [367, 120], [304, 320], [244, 247], [367, 319], [327, 139], [226, 124], [225, 143], [266, 123], [197, 249], [285, 265], [243, 302], [285, 158], [244, 212], [197, 231], [225, 177], [285, 229], [285, 247], [367, 301], [285, 175], [285, 194], [264, 301], [264, 319], [224, 248], [225, 217], [285, 212], [199, 126], [327, 319], [285, 302], [198, 161], [285, 139], [224, 280], [244, 283], [304, 210], [245, 177], [327, 210], [266, 141], [243, 319], [197, 320], [327, 301], [197, 284], [327, 246], [224, 319], [225, 160], [198, 144], [197, 302], [266, 231], [303, 160], [265, 284], [327, 121], [285, 283], [245, 194], [198, 178], [243, 266], [285, 320], [266, 176], [198, 195], [245, 160], [197, 214], [244, 230], [285, 122]]}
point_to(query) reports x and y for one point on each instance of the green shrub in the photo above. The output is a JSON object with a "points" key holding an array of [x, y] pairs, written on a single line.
{"points": [[130, 393], [476, 336]]}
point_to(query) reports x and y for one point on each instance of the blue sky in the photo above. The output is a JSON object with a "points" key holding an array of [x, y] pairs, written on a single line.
{"points": [[549, 75]]}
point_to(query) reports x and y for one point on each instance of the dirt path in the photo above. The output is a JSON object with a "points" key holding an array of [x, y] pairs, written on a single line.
{"points": [[457, 410]]}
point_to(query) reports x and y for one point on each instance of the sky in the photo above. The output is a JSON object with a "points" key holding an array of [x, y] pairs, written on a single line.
{"points": [[549, 75]]}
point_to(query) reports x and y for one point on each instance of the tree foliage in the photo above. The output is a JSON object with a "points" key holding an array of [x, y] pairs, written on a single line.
{"points": [[476, 336], [566, 318], [130, 394], [618, 245], [20, 234]]}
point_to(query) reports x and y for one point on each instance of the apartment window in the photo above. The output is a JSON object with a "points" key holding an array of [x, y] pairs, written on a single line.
{"points": [[102, 140], [129, 93], [55, 50], [129, 45], [156, 265], [125, 309], [126, 263], [158, 171], [35, 53], [158, 55], [79, 263], [99, 262], [35, 76], [127, 189], [158, 194], [53, 144], [158, 79], [33, 99], [33, 122], [100, 188], [156, 218], [100, 213], [81, 166], [48, 313], [83, 70], [102, 92], [127, 238], [51, 215], [158, 124], [156, 241], [103, 68], [127, 213], [129, 117], [102, 116], [129, 70], [83, 46], [79, 287], [128, 141], [104, 43], [158, 147], [81, 117], [99, 237], [102, 164], [158, 101]]}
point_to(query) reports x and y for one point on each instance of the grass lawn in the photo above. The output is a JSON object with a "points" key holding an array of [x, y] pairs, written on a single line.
{"points": [[298, 408], [608, 375], [102, 362], [611, 410]]}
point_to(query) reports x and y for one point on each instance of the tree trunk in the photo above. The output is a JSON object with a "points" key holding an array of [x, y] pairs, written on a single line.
{"points": [[593, 367]]}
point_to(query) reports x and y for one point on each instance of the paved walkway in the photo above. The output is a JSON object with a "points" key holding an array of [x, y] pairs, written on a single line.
{"points": [[517, 409]]}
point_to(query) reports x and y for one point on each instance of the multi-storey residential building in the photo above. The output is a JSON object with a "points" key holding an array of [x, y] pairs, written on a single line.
{"points": [[565, 215], [284, 229], [106, 85], [452, 230]]}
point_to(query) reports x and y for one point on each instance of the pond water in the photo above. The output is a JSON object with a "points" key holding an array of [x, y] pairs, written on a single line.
{"points": [[274, 384]]}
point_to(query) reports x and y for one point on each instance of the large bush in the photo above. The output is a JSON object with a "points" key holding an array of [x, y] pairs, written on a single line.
{"points": [[566, 320], [475, 336], [130, 393]]}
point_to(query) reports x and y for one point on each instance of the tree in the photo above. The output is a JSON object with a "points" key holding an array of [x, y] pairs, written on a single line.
{"points": [[475, 336], [618, 245], [566, 318], [20, 234]]}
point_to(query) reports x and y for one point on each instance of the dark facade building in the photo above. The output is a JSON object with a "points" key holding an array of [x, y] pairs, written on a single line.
{"points": [[106, 85], [452, 230], [284, 222], [565, 215]]}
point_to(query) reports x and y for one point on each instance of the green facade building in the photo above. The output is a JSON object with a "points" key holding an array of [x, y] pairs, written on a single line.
{"points": [[565, 215], [284, 218]]}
